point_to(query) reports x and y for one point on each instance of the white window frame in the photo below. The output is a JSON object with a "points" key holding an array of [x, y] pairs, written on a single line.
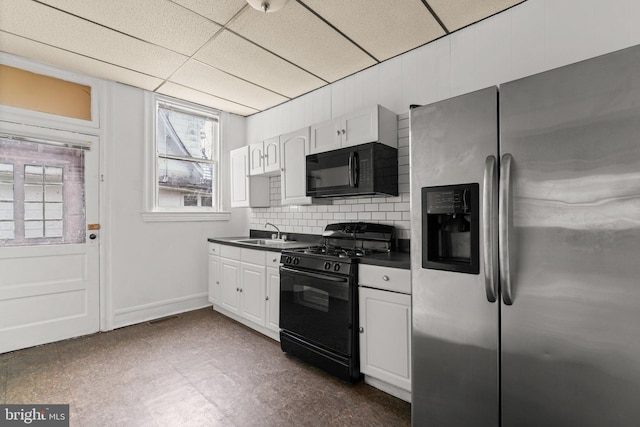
{"points": [[151, 210]]}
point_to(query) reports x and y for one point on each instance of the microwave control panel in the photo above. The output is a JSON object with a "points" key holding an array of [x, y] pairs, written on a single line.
{"points": [[364, 175]]}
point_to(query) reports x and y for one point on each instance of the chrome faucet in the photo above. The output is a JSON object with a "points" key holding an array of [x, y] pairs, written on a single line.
{"points": [[277, 229]]}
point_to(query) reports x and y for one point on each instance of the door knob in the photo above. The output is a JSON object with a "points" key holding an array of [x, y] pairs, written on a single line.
{"points": [[361, 329]]}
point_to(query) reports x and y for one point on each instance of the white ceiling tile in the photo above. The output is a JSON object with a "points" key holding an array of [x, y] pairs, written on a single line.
{"points": [[460, 13], [158, 22], [10, 43], [299, 36], [46, 25], [181, 92], [239, 57], [207, 79], [219, 11], [383, 28]]}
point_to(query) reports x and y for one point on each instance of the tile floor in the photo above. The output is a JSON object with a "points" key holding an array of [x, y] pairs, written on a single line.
{"points": [[200, 369]]}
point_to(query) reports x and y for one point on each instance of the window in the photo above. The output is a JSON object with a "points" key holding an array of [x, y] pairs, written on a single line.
{"points": [[185, 173], [41, 194]]}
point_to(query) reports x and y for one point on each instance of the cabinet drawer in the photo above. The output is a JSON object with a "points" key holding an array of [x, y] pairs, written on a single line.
{"points": [[253, 256], [214, 249], [390, 279], [273, 259], [231, 252]]}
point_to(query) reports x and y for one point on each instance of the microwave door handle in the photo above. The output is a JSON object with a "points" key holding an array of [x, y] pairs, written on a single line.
{"points": [[351, 169], [356, 169]]}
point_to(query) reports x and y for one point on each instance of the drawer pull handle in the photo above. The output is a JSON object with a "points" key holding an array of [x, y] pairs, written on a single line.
{"points": [[361, 329], [385, 278]]}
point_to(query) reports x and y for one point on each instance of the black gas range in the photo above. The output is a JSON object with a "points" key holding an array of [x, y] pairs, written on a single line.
{"points": [[319, 296]]}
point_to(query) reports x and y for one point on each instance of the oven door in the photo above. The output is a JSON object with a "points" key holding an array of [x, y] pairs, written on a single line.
{"points": [[318, 308]]}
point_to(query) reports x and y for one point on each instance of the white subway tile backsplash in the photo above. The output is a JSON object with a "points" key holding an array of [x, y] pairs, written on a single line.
{"points": [[393, 210]]}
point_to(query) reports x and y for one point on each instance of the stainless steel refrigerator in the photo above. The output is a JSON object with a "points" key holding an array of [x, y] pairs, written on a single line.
{"points": [[525, 251]]}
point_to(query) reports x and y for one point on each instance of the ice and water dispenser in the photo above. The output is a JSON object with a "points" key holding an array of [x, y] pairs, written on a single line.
{"points": [[450, 228]]}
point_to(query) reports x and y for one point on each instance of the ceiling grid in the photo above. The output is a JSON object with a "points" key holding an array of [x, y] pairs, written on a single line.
{"points": [[223, 53]]}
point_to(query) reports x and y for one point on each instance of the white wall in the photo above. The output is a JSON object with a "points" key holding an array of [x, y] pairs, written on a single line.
{"points": [[535, 36], [153, 269]]}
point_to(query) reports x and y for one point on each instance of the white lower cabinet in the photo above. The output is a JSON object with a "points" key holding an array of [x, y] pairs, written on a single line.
{"points": [[244, 284], [385, 330], [273, 300], [214, 273]]}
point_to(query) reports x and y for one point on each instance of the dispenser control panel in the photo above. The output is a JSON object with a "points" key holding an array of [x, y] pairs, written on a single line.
{"points": [[449, 201]]}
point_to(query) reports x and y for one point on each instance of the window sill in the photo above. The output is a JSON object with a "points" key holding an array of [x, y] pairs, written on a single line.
{"points": [[173, 216]]}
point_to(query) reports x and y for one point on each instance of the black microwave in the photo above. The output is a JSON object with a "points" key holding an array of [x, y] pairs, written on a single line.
{"points": [[362, 170]]}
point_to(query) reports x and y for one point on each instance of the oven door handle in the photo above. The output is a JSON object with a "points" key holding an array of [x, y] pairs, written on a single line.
{"points": [[315, 275]]}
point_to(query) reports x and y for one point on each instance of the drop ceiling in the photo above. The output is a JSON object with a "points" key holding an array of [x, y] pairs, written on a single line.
{"points": [[223, 53]]}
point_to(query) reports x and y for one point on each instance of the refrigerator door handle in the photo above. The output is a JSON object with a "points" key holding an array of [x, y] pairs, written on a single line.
{"points": [[489, 228], [504, 225]]}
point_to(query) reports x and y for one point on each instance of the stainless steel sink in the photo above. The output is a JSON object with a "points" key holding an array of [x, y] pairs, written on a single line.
{"points": [[262, 242]]}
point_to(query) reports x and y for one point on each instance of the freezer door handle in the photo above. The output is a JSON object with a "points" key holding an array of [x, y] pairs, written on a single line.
{"points": [[504, 225], [489, 228]]}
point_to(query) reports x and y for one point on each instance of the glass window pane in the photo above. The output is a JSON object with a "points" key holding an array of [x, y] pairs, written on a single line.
{"points": [[47, 205], [6, 211], [53, 193], [185, 134], [53, 229], [33, 193], [7, 230], [177, 177], [53, 211], [6, 191], [33, 211], [33, 229], [53, 174]]}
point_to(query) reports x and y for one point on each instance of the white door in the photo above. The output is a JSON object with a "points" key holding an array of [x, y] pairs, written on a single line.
{"points": [[49, 258]]}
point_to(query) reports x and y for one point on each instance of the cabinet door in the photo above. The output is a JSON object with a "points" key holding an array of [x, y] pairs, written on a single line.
{"points": [[253, 293], [325, 136], [293, 181], [385, 336], [214, 279], [230, 284], [360, 127], [271, 154], [239, 160], [256, 158], [273, 299]]}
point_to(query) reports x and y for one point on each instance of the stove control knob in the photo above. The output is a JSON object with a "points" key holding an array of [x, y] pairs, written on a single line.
{"points": [[336, 267], [288, 260], [296, 260], [327, 265]]}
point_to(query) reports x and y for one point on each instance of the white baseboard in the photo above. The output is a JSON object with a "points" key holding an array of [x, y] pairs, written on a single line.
{"points": [[388, 388], [145, 312]]}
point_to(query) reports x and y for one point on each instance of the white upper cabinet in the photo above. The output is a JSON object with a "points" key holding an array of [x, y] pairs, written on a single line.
{"points": [[246, 191], [373, 124], [294, 146], [264, 157]]}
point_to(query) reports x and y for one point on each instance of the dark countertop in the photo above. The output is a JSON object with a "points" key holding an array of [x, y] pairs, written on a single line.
{"points": [[277, 247], [391, 259]]}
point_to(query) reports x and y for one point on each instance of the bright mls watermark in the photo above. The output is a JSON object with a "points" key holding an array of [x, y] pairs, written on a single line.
{"points": [[34, 415]]}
